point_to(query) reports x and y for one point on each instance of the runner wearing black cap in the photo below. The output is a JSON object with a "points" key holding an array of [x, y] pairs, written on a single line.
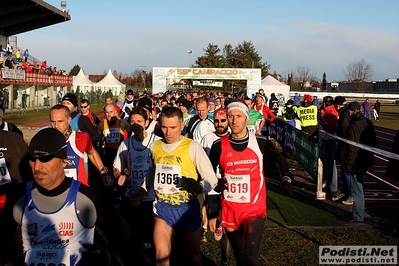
{"points": [[57, 215]]}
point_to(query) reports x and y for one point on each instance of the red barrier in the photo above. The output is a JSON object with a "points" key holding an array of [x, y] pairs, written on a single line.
{"points": [[40, 79]]}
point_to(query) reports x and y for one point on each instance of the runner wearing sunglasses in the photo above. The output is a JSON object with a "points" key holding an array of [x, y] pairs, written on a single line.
{"points": [[211, 206], [57, 215]]}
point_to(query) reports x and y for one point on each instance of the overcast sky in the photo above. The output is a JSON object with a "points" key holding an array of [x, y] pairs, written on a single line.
{"points": [[325, 36]]}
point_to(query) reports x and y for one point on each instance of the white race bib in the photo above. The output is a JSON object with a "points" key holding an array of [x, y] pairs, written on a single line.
{"points": [[71, 172], [5, 177], [238, 188], [251, 129], [167, 178]]}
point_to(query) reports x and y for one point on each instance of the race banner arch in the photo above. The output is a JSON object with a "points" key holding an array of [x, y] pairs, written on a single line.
{"points": [[162, 77]]}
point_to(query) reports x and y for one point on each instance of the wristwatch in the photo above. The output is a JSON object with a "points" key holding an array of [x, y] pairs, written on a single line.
{"points": [[286, 178], [104, 170]]}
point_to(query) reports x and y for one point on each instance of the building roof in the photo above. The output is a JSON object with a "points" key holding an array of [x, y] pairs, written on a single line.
{"points": [[26, 15]]}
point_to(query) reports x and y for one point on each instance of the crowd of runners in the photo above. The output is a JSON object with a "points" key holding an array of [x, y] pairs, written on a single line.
{"points": [[87, 185]]}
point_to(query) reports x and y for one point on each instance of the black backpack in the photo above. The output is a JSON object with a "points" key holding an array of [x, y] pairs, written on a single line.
{"points": [[290, 112]]}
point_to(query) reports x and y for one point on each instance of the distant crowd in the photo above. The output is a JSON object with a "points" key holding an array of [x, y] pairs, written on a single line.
{"points": [[15, 59]]}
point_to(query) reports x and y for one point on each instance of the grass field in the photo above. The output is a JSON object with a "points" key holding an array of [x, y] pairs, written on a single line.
{"points": [[296, 226]]}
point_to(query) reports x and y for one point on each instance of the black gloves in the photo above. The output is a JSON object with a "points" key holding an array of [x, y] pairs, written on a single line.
{"points": [[286, 185], [268, 122], [138, 132], [95, 256], [108, 180], [191, 186], [128, 110], [221, 186], [135, 200]]}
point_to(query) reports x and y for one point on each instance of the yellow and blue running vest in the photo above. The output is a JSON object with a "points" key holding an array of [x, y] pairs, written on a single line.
{"points": [[169, 168]]}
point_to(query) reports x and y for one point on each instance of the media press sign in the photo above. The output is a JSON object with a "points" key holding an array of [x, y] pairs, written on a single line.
{"points": [[296, 143]]}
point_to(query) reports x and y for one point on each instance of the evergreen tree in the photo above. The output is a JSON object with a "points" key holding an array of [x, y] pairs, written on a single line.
{"points": [[75, 70], [212, 57], [324, 82]]}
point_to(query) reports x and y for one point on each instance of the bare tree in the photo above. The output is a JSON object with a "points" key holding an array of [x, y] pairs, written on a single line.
{"points": [[300, 75], [360, 71]]}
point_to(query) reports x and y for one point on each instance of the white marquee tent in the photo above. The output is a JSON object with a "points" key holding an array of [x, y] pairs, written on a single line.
{"points": [[282, 91], [83, 82], [109, 82]]}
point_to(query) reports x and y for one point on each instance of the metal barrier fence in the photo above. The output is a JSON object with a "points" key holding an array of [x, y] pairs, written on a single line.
{"points": [[306, 152]]}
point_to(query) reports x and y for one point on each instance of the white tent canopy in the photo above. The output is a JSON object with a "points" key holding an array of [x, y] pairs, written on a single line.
{"points": [[84, 83], [109, 82], [282, 91]]}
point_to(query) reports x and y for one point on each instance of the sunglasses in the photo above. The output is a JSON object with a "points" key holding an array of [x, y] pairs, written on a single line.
{"points": [[83, 106], [45, 157], [220, 120]]}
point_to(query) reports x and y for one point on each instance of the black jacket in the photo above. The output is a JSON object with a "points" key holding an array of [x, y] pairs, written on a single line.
{"points": [[343, 122], [360, 130]]}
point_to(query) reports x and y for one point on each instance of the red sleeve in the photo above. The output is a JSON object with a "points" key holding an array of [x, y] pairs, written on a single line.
{"points": [[83, 142], [268, 114], [89, 146], [125, 134], [118, 109]]}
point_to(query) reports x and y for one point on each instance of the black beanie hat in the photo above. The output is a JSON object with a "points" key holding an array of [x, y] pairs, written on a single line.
{"points": [[70, 98], [48, 141]]}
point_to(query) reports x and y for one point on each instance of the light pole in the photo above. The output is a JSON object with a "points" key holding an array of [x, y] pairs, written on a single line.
{"points": [[189, 57]]}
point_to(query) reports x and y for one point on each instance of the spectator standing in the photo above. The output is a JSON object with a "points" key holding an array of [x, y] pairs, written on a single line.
{"points": [[18, 56], [360, 130], [5, 99], [297, 100], [59, 96], [376, 110], [46, 210], [342, 127], [289, 112], [307, 115], [328, 145], [273, 104], [316, 101], [392, 170], [26, 55], [44, 65], [262, 93], [9, 50], [366, 109]]}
